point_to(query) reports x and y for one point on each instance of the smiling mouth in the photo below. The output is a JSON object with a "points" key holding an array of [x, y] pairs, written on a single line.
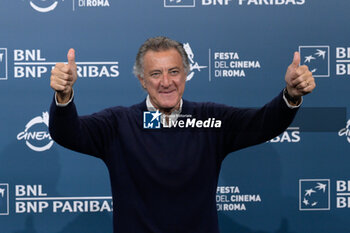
{"points": [[167, 92]]}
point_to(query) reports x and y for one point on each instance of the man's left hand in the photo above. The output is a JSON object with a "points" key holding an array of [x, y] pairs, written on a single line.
{"points": [[299, 79]]}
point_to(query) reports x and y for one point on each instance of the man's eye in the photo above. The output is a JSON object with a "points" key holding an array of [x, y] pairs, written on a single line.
{"points": [[155, 75], [174, 72]]}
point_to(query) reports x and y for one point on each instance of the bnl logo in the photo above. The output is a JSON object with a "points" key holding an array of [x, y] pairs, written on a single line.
{"points": [[179, 3], [314, 194], [151, 120], [316, 58], [4, 199], [3, 63]]}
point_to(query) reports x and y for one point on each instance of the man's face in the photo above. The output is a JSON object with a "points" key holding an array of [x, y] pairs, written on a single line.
{"points": [[164, 78]]}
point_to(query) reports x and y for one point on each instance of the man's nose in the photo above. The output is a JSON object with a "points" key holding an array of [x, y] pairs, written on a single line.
{"points": [[165, 82]]}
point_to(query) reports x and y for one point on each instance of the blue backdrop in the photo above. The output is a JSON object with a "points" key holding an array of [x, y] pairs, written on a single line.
{"points": [[239, 52]]}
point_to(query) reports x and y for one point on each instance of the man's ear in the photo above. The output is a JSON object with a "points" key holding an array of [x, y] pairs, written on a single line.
{"points": [[142, 81]]}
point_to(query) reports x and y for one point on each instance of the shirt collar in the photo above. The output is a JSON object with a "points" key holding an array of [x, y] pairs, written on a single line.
{"points": [[173, 116], [150, 106]]}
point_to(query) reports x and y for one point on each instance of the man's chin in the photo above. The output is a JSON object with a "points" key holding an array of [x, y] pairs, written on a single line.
{"points": [[168, 106]]}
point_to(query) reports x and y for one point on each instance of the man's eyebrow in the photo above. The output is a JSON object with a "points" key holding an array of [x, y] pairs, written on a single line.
{"points": [[158, 70], [155, 70]]}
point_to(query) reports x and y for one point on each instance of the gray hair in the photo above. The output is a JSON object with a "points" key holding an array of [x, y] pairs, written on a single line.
{"points": [[156, 44]]}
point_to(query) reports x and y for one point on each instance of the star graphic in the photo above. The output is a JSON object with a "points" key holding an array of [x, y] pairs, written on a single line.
{"points": [[321, 53], [314, 203], [309, 58], [321, 186], [309, 192], [156, 115], [306, 202]]}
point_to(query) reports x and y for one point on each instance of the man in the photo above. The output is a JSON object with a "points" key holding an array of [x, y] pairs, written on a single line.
{"points": [[164, 180]]}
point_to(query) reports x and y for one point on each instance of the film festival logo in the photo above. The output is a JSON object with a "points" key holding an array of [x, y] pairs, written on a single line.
{"points": [[3, 64], [193, 64], [43, 6], [4, 199], [179, 3], [317, 59], [36, 133], [345, 131], [314, 194]]}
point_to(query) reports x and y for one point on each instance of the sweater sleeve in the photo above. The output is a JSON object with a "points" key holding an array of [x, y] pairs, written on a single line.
{"points": [[86, 134], [243, 127]]}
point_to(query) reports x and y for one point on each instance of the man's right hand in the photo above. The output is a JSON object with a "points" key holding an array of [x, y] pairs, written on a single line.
{"points": [[63, 77]]}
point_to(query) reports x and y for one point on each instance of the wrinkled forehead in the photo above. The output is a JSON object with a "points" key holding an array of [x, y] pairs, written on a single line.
{"points": [[162, 51], [170, 57]]}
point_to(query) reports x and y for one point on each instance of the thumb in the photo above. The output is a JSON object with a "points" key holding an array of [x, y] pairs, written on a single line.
{"points": [[296, 60], [71, 57]]}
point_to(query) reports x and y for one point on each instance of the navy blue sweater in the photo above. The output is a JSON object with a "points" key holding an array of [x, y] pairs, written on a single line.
{"points": [[164, 180]]}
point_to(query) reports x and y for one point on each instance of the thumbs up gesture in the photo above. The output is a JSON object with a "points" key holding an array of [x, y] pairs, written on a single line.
{"points": [[299, 79], [63, 77]]}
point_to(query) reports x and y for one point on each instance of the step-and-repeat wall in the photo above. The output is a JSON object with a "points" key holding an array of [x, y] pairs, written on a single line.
{"points": [[239, 51]]}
